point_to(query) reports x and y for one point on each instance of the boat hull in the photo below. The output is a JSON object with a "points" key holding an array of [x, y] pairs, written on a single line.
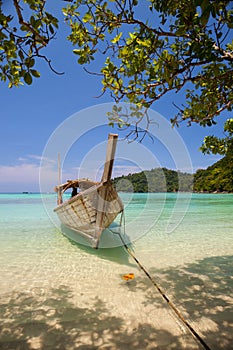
{"points": [[91, 211]]}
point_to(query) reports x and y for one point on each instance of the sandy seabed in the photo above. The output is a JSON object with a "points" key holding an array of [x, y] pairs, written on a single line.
{"points": [[80, 301]]}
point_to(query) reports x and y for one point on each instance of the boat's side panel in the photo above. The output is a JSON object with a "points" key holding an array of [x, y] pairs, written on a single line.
{"points": [[78, 212], [97, 204], [81, 213]]}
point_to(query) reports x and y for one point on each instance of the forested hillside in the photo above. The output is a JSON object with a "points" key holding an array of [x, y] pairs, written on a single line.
{"points": [[216, 178], [155, 180]]}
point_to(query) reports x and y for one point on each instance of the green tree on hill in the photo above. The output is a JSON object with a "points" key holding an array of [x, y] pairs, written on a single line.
{"points": [[155, 180], [216, 178]]}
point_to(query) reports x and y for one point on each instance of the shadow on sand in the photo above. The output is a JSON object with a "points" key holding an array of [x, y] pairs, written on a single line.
{"points": [[53, 321], [203, 292], [28, 322]]}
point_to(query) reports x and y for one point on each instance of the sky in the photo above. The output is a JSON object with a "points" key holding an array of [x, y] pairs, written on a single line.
{"points": [[62, 113]]}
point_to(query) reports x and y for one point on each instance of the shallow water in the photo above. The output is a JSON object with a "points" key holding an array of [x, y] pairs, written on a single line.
{"points": [[55, 294]]}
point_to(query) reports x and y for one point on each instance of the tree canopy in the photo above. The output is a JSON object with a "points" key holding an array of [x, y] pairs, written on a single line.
{"points": [[22, 38], [149, 49], [224, 146]]}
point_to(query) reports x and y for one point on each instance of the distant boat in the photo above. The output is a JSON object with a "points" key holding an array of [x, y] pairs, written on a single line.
{"points": [[91, 210]]}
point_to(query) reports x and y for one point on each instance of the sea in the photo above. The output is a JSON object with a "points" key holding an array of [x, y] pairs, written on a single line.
{"points": [[59, 294]]}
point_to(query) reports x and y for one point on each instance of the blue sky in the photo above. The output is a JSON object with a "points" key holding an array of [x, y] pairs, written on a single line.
{"points": [[30, 114]]}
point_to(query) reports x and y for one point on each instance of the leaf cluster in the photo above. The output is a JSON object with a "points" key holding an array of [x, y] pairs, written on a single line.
{"points": [[22, 38], [172, 45], [182, 45], [216, 145]]}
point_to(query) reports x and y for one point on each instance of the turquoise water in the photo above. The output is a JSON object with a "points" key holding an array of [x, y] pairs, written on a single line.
{"points": [[55, 294]]}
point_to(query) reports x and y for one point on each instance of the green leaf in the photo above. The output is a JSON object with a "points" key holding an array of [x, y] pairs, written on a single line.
{"points": [[206, 9], [30, 62], [77, 52], [117, 38], [230, 25], [35, 73], [181, 30], [87, 17], [32, 20], [205, 17], [51, 29], [27, 78], [21, 55]]}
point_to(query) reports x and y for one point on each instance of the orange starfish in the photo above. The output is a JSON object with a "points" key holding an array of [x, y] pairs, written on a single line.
{"points": [[129, 276]]}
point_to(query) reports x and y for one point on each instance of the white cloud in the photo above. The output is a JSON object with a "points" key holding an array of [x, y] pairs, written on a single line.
{"points": [[40, 158], [120, 170], [25, 175], [19, 177]]}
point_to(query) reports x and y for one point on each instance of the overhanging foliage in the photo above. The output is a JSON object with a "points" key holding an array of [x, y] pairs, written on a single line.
{"points": [[149, 49]]}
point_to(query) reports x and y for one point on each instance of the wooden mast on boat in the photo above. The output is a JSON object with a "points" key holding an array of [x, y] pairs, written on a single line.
{"points": [[59, 192], [106, 177]]}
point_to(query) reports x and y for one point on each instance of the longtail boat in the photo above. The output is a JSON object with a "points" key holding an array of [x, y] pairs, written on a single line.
{"points": [[93, 205]]}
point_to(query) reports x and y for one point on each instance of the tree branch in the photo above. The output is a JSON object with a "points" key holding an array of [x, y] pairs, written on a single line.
{"points": [[211, 115], [42, 39]]}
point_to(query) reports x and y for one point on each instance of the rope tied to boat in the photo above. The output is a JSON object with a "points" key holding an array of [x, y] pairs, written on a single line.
{"points": [[194, 333]]}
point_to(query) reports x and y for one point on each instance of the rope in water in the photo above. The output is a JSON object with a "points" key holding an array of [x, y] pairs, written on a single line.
{"points": [[165, 297]]}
